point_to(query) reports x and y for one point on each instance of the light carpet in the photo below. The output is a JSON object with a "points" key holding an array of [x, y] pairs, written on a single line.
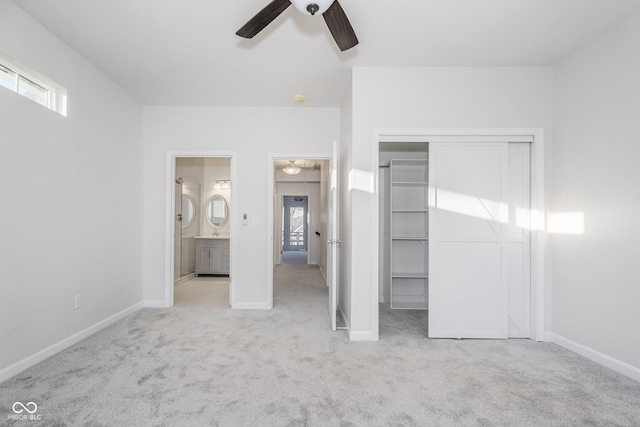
{"points": [[284, 367]]}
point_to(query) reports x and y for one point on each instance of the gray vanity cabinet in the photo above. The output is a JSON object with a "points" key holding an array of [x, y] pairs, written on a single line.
{"points": [[212, 256]]}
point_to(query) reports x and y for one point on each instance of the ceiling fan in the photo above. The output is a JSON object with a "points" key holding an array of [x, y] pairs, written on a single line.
{"points": [[331, 11]]}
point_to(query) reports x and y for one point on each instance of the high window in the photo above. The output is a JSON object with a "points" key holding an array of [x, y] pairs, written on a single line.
{"points": [[28, 84]]}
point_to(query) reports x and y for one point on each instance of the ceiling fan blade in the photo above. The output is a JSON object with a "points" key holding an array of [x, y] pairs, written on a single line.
{"points": [[340, 27], [263, 18]]}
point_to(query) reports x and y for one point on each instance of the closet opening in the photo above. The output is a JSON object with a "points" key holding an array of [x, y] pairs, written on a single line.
{"points": [[455, 237], [403, 237]]}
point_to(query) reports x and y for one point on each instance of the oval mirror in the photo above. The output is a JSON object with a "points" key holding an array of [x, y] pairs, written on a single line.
{"points": [[188, 210], [216, 211]]}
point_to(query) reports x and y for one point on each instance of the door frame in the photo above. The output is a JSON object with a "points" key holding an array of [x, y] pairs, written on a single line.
{"points": [[170, 175], [538, 232], [271, 158]]}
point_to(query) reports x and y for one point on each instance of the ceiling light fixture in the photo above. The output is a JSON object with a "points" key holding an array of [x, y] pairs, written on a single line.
{"points": [[311, 7], [292, 169], [222, 184], [299, 99]]}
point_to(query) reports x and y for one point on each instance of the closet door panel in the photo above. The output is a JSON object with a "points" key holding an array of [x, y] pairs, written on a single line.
{"points": [[519, 241], [468, 215]]}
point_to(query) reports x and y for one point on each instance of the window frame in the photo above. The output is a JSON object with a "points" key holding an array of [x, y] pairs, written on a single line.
{"points": [[56, 95]]}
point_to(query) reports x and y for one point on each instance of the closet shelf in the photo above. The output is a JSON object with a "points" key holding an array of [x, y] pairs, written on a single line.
{"points": [[409, 224], [409, 211], [411, 183], [409, 275], [410, 305], [409, 236]]}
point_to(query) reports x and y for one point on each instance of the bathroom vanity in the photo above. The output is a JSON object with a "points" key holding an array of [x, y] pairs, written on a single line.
{"points": [[212, 255]]}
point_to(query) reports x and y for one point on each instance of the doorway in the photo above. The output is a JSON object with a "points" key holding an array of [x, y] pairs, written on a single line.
{"points": [[200, 230], [295, 226], [298, 235]]}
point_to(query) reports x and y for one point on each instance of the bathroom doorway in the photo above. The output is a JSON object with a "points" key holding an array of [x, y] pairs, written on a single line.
{"points": [[201, 231]]}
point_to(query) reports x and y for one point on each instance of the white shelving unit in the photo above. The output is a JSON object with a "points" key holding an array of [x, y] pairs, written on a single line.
{"points": [[409, 215]]}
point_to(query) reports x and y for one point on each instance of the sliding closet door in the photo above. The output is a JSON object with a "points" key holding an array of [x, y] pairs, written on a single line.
{"points": [[468, 214], [519, 241]]}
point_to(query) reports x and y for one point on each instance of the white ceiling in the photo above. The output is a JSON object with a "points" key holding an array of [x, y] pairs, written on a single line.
{"points": [[185, 52]]}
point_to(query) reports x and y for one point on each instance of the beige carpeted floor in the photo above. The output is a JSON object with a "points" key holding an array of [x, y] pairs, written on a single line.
{"points": [[284, 367]]}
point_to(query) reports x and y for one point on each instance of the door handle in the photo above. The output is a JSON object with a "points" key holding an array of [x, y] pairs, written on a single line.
{"points": [[179, 217], [334, 242]]}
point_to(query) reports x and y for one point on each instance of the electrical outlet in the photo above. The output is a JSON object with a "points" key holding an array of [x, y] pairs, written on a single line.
{"points": [[78, 301]]}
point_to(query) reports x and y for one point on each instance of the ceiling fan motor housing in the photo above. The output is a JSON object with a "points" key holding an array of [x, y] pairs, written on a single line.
{"points": [[311, 7], [333, 14]]}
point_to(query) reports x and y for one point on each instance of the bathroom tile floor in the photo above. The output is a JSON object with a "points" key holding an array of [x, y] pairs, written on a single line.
{"points": [[203, 292]]}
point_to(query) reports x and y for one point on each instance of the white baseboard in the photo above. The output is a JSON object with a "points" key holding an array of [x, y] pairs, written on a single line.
{"points": [[362, 336], [34, 359], [604, 360], [357, 335], [184, 279], [251, 306], [324, 276], [159, 303]]}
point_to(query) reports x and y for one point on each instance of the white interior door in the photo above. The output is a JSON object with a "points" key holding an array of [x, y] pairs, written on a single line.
{"points": [[333, 240], [468, 215], [519, 241]]}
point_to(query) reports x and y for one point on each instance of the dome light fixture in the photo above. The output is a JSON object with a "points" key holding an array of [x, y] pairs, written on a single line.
{"points": [[311, 7], [291, 168]]}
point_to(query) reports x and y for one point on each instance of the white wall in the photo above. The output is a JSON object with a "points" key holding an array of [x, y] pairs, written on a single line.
{"points": [[344, 215], [252, 133], [72, 207], [596, 285], [428, 98]]}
